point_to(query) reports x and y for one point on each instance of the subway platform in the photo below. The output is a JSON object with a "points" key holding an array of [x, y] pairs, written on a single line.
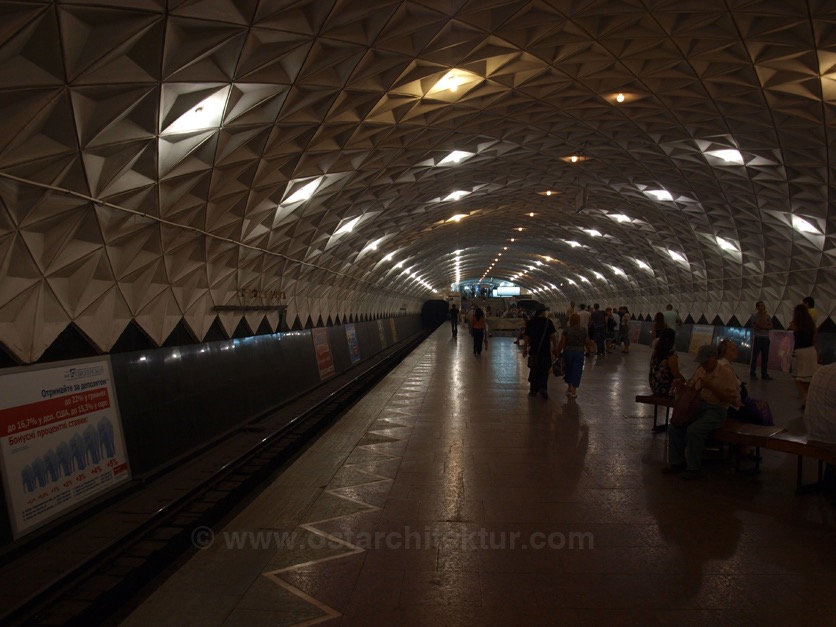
{"points": [[448, 496]]}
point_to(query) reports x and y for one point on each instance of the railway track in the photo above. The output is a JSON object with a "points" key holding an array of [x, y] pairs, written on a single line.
{"points": [[101, 585]]}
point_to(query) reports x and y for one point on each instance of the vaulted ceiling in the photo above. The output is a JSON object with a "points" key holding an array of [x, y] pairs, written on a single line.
{"points": [[152, 157]]}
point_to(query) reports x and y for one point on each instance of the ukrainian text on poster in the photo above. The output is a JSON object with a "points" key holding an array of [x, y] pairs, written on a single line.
{"points": [[61, 440]]}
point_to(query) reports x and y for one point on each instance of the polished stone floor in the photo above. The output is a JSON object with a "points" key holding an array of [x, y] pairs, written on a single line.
{"points": [[448, 496]]}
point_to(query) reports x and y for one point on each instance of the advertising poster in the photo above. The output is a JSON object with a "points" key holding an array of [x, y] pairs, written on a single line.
{"points": [[634, 329], [781, 344], [701, 335], [382, 331], [394, 330], [62, 440], [353, 343], [324, 359]]}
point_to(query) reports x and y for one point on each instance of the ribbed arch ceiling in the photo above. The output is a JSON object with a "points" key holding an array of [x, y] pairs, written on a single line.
{"points": [[152, 154]]}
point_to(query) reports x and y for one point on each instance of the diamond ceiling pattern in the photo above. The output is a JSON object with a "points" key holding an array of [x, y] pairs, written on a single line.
{"points": [[151, 155]]}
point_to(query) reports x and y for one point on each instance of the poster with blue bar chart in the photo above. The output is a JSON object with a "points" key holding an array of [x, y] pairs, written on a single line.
{"points": [[353, 343], [62, 442]]}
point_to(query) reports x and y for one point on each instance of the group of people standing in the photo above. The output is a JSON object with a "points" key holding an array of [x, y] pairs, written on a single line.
{"points": [[607, 327]]}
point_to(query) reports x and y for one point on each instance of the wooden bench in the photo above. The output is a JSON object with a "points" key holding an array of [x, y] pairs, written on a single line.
{"points": [[657, 401], [777, 439]]}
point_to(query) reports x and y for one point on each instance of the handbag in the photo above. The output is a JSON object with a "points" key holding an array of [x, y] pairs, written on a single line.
{"points": [[686, 405], [756, 411], [557, 366]]}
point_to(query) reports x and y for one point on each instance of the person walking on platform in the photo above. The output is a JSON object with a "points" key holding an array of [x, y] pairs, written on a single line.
{"points": [[574, 342], [761, 323], [477, 330], [541, 343], [454, 320]]}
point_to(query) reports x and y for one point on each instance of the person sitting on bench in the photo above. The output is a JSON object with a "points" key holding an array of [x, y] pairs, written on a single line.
{"points": [[718, 390], [664, 364]]}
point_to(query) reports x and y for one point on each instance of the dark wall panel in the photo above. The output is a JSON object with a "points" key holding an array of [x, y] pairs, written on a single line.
{"points": [[174, 399]]}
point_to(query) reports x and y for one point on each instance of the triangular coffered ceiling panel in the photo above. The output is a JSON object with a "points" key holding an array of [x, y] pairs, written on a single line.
{"points": [[105, 319]]}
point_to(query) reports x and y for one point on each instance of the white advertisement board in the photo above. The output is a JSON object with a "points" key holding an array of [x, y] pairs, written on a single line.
{"points": [[61, 440]]}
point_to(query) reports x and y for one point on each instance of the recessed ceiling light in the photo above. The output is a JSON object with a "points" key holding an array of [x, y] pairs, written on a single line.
{"points": [[458, 217], [593, 232], [659, 194], [575, 158], [572, 243], [457, 156], [457, 195], [347, 227], [730, 156], [642, 264], [677, 256], [206, 114], [452, 80], [304, 193], [802, 226], [620, 217], [726, 244], [619, 98]]}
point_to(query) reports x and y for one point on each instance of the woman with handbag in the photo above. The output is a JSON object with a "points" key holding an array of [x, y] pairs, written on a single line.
{"points": [[540, 347], [689, 427], [574, 341]]}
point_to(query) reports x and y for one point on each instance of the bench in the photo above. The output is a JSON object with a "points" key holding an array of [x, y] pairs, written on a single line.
{"points": [[778, 439], [657, 401]]}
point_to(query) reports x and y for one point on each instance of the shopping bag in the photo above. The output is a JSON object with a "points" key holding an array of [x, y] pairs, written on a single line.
{"points": [[686, 405]]}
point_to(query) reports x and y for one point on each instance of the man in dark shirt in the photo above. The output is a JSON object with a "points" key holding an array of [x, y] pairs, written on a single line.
{"points": [[541, 342]]}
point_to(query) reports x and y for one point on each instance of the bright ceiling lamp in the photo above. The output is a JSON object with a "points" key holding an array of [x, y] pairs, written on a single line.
{"points": [[618, 271], [389, 257], [208, 113], [641, 264], [455, 157], [453, 80], [457, 218], [572, 243], [677, 256], [726, 245], [347, 227], [571, 281], [457, 195], [373, 244], [659, 194], [593, 232], [802, 226], [303, 193], [730, 156], [599, 275], [584, 279], [620, 217]]}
